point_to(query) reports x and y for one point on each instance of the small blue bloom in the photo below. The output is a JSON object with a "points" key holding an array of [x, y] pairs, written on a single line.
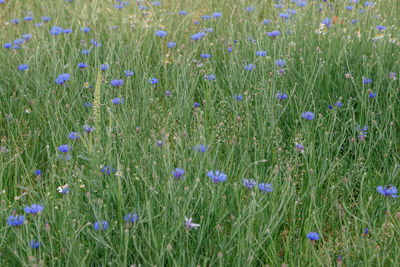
{"points": [[281, 96], [131, 217], [85, 30], [182, 13], [23, 67], [210, 77], [249, 183], [95, 43], [117, 83], [308, 115], [238, 97], [280, 62], [313, 236], [205, 55], [28, 18], [107, 170], [33, 209], [61, 79], [45, 19], [372, 95], [216, 15], [118, 101], [67, 30], [197, 36], [217, 176], [201, 148], [27, 36], [250, 8], [38, 172], [88, 129], [104, 67], [171, 44], [367, 80], [15, 21], [261, 53], [266, 21], [266, 188], [55, 30], [388, 191], [82, 65], [64, 148], [250, 67], [129, 73], [102, 226], [153, 81], [15, 221], [85, 52], [380, 28], [178, 173], [34, 244], [161, 33], [327, 22], [73, 136], [7, 45]]}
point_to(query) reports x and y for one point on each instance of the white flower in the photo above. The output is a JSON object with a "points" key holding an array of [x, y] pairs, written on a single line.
{"points": [[60, 189], [189, 224]]}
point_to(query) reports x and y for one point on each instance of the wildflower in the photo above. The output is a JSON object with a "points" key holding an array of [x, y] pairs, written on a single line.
{"points": [[196, 104], [38, 172], [280, 62], [23, 67], [7, 45], [250, 67], [366, 231], [327, 22], [33, 209], [388, 191], [363, 132], [73, 136], [380, 28], [61, 79], [216, 15], [205, 17], [205, 55], [64, 148], [308, 115], [129, 73], [354, 21], [68, 31], [261, 53], [28, 18], [338, 104], [87, 104], [278, 6], [155, 3], [392, 76], [19, 41], [167, 93], [209, 77], [238, 97], [182, 13], [313, 236], [27, 36], [273, 34], [189, 224], [153, 81], [372, 95], [117, 83], [197, 36], [82, 65], [349, 7], [95, 43], [250, 8], [281, 96], [229, 49], [249, 183], [15, 221], [161, 33], [178, 173], [171, 44], [367, 80], [266, 188], [131, 217], [55, 30], [106, 170], [85, 52], [104, 67], [103, 226], [85, 30], [201, 148], [159, 143], [15, 21], [300, 148], [217, 176], [34, 244], [118, 101], [45, 19], [88, 129], [266, 21], [63, 189]]}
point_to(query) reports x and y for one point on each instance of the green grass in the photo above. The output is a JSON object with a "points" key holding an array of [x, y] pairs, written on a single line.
{"points": [[331, 188]]}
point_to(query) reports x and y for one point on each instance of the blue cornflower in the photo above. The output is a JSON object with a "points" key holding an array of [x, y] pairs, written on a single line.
{"points": [[238, 97], [217, 176], [249, 183], [205, 17], [33, 209], [88, 129], [23, 67], [354, 21], [178, 173], [129, 73], [118, 101], [61, 79], [313, 236], [7, 45], [369, 4], [159, 143], [197, 36], [281, 96], [95, 43], [117, 83], [250, 8], [155, 3], [131, 217], [327, 22], [82, 65], [250, 67], [27, 36], [45, 19], [380, 28], [338, 104], [161, 33], [87, 104], [363, 132], [38, 172], [102, 226], [168, 93], [349, 7], [196, 104], [210, 77], [153, 81], [33, 244], [201, 148], [308, 115], [85, 52], [67, 31], [196, 22], [182, 13], [107, 170], [266, 188], [216, 15], [261, 53], [205, 55], [28, 18], [367, 80], [388, 191], [73, 136], [229, 49], [19, 41], [300, 148], [278, 6], [40, 24], [64, 148], [171, 44], [301, 3], [85, 30], [280, 62], [104, 67], [266, 21], [15, 21], [15, 221], [55, 30], [372, 95], [366, 231]]}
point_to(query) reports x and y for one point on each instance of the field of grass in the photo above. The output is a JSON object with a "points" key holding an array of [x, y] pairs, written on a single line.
{"points": [[274, 125]]}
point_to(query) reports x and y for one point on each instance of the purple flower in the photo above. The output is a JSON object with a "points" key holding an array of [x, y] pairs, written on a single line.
{"points": [[171, 44], [33, 209], [73, 136], [249, 183], [131, 218], [85, 30], [62, 78], [82, 65], [217, 177], [88, 129], [129, 73], [118, 101], [280, 62], [209, 77], [117, 83], [85, 52], [15, 221], [104, 67], [281, 96], [64, 148], [189, 224], [367, 81], [261, 53], [238, 97], [102, 226], [38, 172], [313, 236], [23, 67], [300, 148], [308, 115], [388, 191], [250, 67], [266, 188], [178, 173], [372, 95], [161, 33], [273, 34], [34, 244], [216, 15], [153, 81]]}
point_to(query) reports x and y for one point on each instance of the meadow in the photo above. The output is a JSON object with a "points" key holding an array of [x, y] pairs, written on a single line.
{"points": [[199, 133]]}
